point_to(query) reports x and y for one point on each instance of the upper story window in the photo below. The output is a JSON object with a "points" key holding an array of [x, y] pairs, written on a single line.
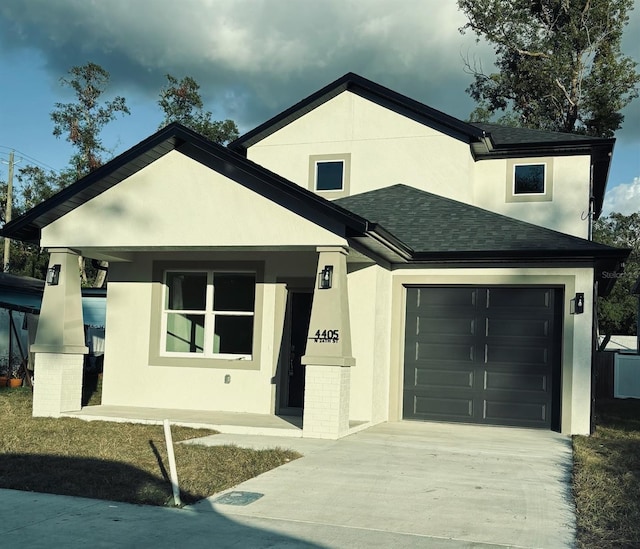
{"points": [[530, 180], [329, 174], [208, 314]]}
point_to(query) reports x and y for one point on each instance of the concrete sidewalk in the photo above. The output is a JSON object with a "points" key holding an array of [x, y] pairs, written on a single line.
{"points": [[394, 485]]}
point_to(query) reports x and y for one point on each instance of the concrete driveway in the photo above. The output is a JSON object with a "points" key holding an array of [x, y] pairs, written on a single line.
{"points": [[414, 484], [394, 485]]}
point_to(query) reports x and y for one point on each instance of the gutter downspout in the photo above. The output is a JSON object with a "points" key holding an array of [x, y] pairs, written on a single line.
{"points": [[594, 361], [590, 213]]}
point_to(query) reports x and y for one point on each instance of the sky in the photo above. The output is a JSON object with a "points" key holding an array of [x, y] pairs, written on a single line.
{"points": [[252, 59]]}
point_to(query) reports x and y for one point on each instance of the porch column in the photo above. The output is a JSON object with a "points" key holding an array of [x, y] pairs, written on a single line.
{"points": [[59, 346], [328, 354]]}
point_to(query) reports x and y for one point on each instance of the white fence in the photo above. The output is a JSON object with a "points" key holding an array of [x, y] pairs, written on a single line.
{"points": [[626, 376]]}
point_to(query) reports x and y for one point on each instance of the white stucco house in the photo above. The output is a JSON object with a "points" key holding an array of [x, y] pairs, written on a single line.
{"points": [[360, 257]]}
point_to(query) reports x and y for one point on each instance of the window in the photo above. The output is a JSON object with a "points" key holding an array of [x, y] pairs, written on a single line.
{"points": [[329, 174], [529, 179], [208, 314]]}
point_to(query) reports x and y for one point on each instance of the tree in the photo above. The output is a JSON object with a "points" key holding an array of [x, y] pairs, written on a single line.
{"points": [[82, 121], [559, 64], [617, 313], [33, 186], [181, 102]]}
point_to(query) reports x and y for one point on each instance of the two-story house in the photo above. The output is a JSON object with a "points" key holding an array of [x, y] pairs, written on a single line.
{"points": [[358, 258]]}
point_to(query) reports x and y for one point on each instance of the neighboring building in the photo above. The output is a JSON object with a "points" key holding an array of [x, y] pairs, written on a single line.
{"points": [[20, 301], [360, 256]]}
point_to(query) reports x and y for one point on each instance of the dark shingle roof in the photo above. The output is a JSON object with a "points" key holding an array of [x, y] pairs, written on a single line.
{"points": [[433, 226], [507, 135]]}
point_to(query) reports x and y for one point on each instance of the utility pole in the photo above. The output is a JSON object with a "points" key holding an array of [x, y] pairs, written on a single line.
{"points": [[7, 242]]}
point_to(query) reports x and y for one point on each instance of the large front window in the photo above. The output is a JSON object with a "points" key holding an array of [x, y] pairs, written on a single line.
{"points": [[208, 313]]}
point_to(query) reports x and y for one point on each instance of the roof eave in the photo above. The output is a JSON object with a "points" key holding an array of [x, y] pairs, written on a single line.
{"points": [[613, 254], [28, 227], [545, 149]]}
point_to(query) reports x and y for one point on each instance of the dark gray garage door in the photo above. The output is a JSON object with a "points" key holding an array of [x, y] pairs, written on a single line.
{"points": [[483, 355]]}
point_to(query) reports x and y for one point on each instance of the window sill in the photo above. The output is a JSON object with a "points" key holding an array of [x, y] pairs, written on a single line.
{"points": [[205, 362]]}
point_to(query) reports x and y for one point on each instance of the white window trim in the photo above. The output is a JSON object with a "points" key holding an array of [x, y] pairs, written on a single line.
{"points": [[317, 163], [209, 314], [314, 160], [546, 196], [544, 178]]}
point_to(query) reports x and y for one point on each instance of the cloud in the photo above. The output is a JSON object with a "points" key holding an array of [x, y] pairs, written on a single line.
{"points": [[253, 57], [623, 198]]}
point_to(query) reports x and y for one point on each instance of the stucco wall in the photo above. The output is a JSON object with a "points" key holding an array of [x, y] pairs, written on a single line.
{"points": [[130, 379], [178, 202], [387, 148], [566, 212], [370, 307], [576, 335], [377, 310]]}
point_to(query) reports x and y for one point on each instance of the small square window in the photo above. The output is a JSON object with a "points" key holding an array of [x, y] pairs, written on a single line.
{"points": [[529, 179], [329, 175]]}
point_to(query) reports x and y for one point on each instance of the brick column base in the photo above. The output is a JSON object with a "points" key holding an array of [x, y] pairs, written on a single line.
{"points": [[326, 401], [57, 384]]}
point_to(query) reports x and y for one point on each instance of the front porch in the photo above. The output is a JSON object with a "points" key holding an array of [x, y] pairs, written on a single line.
{"points": [[223, 422]]}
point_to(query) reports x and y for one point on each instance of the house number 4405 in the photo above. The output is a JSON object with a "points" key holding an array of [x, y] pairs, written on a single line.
{"points": [[326, 336]]}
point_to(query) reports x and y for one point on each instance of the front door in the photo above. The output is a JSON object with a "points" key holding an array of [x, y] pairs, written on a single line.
{"points": [[299, 316]]}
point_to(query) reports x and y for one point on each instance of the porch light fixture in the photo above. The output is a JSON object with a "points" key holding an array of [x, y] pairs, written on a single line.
{"points": [[326, 278], [53, 275], [578, 304]]}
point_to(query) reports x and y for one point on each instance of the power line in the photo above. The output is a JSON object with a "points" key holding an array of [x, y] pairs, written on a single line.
{"points": [[31, 159]]}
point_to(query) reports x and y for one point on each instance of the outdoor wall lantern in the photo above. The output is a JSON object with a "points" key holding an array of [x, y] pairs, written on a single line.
{"points": [[578, 304], [326, 277], [53, 275]]}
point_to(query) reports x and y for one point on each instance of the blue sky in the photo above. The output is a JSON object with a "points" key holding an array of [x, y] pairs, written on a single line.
{"points": [[252, 58]]}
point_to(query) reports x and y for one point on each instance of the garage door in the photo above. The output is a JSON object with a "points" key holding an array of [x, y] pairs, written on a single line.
{"points": [[483, 355]]}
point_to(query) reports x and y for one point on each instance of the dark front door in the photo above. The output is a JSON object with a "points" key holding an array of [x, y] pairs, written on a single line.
{"points": [[483, 355], [299, 315]]}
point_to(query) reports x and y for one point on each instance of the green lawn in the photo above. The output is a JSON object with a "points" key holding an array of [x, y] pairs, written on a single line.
{"points": [[606, 480], [115, 461], [128, 462]]}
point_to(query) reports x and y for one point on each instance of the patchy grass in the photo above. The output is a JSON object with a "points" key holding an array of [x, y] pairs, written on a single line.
{"points": [[116, 461], [606, 478]]}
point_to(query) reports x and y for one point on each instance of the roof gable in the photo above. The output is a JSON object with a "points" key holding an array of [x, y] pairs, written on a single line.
{"points": [[177, 137], [369, 90], [178, 202], [494, 136], [486, 140]]}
